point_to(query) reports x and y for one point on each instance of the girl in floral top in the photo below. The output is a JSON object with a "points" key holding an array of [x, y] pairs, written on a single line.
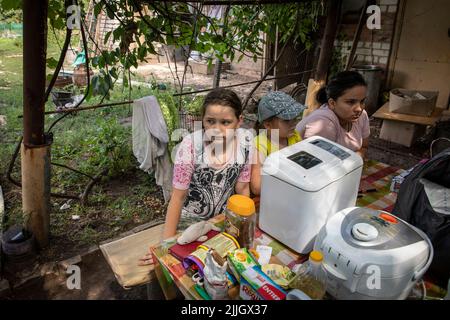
{"points": [[211, 164]]}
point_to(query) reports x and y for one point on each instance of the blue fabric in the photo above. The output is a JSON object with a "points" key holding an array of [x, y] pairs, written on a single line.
{"points": [[279, 104]]}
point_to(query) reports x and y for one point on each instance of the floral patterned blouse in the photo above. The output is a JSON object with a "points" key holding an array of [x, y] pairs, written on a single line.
{"points": [[209, 187]]}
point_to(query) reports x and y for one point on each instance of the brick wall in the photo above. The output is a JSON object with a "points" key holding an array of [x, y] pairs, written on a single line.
{"points": [[374, 45]]}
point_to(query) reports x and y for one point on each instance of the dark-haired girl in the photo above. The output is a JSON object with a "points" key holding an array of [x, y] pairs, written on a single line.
{"points": [[341, 117], [210, 165]]}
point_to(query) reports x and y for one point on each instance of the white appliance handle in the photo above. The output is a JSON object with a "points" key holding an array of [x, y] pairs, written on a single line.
{"points": [[334, 272], [419, 273]]}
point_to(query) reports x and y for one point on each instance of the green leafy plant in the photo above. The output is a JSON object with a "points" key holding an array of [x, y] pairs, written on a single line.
{"points": [[109, 147], [183, 24], [193, 106]]}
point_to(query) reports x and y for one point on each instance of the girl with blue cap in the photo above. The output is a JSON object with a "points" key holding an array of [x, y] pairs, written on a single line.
{"points": [[278, 113]]}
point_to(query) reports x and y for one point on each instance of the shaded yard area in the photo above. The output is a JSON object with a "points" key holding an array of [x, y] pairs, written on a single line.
{"points": [[126, 197]]}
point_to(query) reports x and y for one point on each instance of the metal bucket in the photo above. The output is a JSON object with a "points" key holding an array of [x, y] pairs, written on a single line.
{"points": [[372, 75]]}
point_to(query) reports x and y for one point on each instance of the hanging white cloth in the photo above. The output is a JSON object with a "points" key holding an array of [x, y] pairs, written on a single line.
{"points": [[150, 142]]}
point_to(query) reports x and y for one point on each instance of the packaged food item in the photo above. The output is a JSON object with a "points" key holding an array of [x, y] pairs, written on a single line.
{"points": [[398, 180], [264, 254], [239, 260], [240, 219], [222, 244], [255, 285], [215, 278], [281, 275]]}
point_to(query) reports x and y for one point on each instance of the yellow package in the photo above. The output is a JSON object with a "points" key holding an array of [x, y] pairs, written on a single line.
{"points": [[239, 260]]}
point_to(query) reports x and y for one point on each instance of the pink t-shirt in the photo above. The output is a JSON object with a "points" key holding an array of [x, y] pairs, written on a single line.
{"points": [[325, 123]]}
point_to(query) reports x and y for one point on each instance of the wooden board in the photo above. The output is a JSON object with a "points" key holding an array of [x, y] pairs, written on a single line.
{"points": [[428, 76], [123, 256], [420, 59], [383, 113]]}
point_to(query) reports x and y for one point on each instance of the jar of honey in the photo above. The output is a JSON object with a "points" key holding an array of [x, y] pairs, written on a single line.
{"points": [[240, 219]]}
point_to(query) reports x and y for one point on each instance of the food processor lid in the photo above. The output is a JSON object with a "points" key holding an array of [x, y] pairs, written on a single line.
{"points": [[364, 227]]}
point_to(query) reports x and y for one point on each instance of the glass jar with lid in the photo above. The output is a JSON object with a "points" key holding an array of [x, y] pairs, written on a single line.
{"points": [[240, 219]]}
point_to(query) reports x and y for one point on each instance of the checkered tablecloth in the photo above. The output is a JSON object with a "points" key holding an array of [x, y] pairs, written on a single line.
{"points": [[376, 176]]}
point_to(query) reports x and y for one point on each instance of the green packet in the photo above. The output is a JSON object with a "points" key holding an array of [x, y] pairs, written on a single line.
{"points": [[239, 260]]}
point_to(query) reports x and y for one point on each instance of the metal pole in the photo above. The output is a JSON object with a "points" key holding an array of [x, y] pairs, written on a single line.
{"points": [[35, 149]]}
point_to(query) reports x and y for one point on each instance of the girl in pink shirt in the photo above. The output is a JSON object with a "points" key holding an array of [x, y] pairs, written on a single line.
{"points": [[342, 117], [210, 165]]}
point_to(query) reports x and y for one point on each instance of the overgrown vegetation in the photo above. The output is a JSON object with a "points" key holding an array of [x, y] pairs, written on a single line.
{"points": [[89, 142], [234, 34]]}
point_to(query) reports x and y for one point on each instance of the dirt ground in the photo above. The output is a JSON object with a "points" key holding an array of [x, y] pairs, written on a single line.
{"points": [[167, 73], [97, 283]]}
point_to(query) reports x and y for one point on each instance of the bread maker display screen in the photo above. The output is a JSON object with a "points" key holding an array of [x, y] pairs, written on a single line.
{"points": [[331, 148], [305, 159]]}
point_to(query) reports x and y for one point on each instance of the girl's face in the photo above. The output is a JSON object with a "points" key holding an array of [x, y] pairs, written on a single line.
{"points": [[286, 128], [350, 105], [220, 122]]}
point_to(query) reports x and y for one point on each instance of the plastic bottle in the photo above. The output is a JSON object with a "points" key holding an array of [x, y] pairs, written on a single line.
{"points": [[240, 219], [447, 296], [311, 277]]}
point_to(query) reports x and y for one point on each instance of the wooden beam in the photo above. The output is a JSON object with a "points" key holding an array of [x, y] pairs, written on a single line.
{"points": [[326, 48], [34, 64], [326, 52], [361, 23], [35, 151]]}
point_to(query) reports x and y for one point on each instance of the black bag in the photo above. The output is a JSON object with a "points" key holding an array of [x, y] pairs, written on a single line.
{"points": [[413, 206]]}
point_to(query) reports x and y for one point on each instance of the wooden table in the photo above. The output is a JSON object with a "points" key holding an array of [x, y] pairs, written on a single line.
{"points": [[171, 273], [404, 128], [383, 113]]}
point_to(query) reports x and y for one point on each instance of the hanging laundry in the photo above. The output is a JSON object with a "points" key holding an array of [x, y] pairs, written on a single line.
{"points": [[150, 142]]}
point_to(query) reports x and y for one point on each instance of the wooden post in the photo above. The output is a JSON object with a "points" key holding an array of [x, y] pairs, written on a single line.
{"points": [[35, 149], [310, 101], [326, 52], [356, 37], [2, 220]]}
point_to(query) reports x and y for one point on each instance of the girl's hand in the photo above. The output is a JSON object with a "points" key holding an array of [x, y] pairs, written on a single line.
{"points": [[146, 260]]}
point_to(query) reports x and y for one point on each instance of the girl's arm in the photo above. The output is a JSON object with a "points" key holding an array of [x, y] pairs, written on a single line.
{"points": [[255, 180], [172, 218], [364, 147], [174, 212], [243, 188]]}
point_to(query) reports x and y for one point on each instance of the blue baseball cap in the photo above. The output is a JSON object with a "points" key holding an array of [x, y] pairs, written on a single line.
{"points": [[279, 104]]}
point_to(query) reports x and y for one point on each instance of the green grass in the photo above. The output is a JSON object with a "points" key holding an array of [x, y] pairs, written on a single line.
{"points": [[88, 141]]}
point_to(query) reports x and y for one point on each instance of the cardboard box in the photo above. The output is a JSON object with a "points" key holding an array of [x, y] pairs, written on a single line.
{"points": [[412, 101], [403, 133]]}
